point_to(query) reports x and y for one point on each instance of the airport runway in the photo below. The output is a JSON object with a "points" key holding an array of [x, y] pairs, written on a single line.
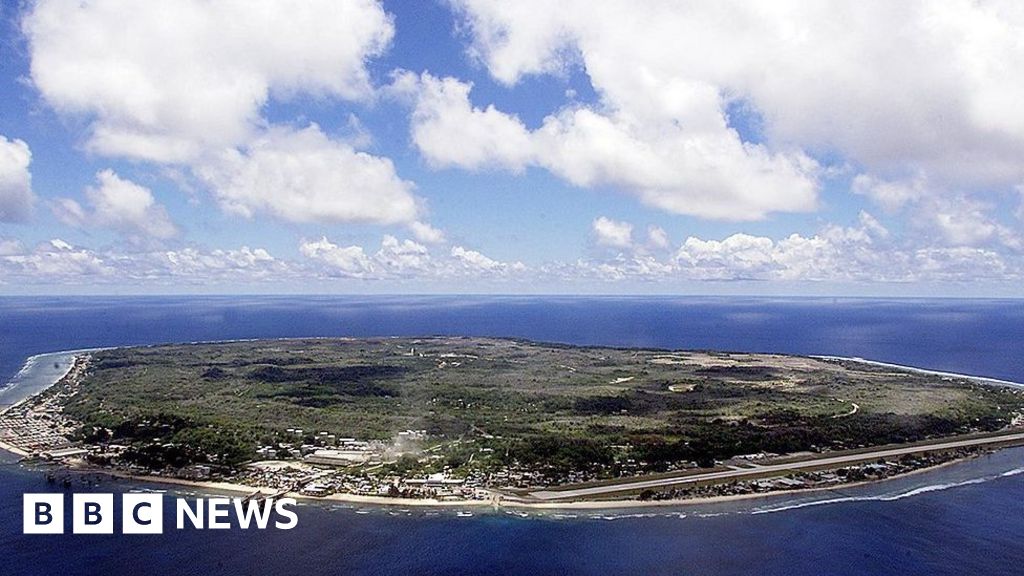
{"points": [[761, 470]]}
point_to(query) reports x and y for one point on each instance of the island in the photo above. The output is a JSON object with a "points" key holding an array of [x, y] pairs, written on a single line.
{"points": [[496, 421]]}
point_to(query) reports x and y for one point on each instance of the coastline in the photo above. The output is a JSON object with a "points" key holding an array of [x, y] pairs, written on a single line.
{"points": [[11, 385], [13, 449], [916, 370], [389, 502]]}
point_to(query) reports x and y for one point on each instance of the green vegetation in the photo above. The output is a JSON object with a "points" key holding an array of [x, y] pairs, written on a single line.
{"points": [[497, 402]]}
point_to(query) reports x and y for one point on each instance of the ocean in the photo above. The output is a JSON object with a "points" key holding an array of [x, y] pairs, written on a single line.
{"points": [[962, 519]]}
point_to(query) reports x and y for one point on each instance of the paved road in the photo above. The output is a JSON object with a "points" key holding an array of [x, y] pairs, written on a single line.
{"points": [[769, 468]]}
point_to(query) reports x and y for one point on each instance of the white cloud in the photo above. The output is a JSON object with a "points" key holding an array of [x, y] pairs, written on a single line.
{"points": [[474, 260], [710, 173], [16, 197], [164, 82], [303, 176], [621, 268], [426, 233], [59, 262], [449, 131], [70, 212], [701, 169], [961, 221], [403, 258], [397, 259], [120, 205], [903, 90], [657, 238], [963, 225], [10, 246], [350, 261], [186, 86], [608, 232], [865, 253], [739, 256], [862, 253], [961, 264], [946, 219], [219, 264], [473, 264], [54, 260], [890, 194], [872, 226]]}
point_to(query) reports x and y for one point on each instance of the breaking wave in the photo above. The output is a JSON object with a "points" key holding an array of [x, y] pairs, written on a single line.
{"points": [[891, 497]]}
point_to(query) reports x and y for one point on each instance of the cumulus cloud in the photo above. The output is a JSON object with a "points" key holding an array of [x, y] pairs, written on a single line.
{"points": [[859, 253], [835, 253], [657, 238], [450, 131], [395, 259], [304, 176], [219, 264], [863, 253], [60, 262], [964, 222], [164, 82], [120, 205], [403, 259], [473, 264], [684, 168], [345, 260], [909, 92], [608, 232], [473, 260], [16, 197], [54, 260], [739, 256], [186, 86], [866, 252], [426, 233]]}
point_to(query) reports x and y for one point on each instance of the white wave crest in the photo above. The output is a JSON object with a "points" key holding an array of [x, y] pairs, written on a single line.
{"points": [[890, 497]]}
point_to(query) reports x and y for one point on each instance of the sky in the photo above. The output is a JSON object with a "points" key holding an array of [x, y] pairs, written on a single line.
{"points": [[869, 148]]}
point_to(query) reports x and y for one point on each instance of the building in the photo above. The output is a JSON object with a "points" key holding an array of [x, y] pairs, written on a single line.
{"points": [[338, 457]]}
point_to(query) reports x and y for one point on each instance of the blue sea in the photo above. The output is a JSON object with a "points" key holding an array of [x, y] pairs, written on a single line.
{"points": [[963, 519]]}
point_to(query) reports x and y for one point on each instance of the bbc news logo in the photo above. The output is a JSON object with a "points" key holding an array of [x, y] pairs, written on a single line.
{"points": [[144, 513]]}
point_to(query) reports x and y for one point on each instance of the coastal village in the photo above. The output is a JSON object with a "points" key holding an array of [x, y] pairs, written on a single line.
{"points": [[37, 427], [321, 464]]}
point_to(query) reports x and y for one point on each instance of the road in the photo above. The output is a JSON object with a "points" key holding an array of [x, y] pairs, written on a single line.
{"points": [[767, 469]]}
